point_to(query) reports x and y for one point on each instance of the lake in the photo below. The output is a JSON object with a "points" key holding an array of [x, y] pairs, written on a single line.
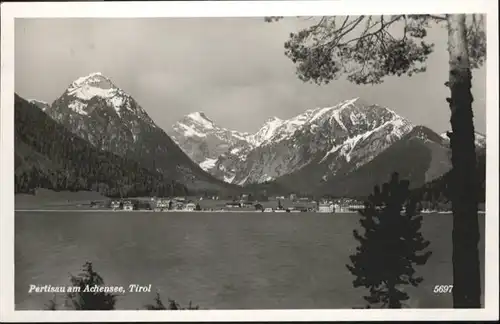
{"points": [[215, 260]]}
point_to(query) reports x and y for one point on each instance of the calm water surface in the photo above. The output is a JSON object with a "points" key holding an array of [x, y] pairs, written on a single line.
{"points": [[218, 261]]}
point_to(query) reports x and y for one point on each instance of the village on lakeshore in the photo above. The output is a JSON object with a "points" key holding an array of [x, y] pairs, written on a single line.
{"points": [[244, 203], [49, 200]]}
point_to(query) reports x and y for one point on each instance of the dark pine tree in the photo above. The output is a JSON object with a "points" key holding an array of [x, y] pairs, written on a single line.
{"points": [[158, 304], [367, 49], [172, 305], [390, 247], [52, 304], [90, 300]]}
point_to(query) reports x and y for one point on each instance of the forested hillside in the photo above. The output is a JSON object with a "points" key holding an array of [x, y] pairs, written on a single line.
{"points": [[436, 194], [47, 155]]}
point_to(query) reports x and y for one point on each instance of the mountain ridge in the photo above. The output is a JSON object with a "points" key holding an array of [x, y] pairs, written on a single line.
{"points": [[103, 114], [47, 155], [39, 103], [315, 148], [325, 131]]}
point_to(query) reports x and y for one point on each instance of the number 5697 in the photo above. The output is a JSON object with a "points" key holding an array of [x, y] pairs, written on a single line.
{"points": [[442, 289]]}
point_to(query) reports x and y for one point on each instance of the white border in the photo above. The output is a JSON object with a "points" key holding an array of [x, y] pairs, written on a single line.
{"points": [[243, 9]]}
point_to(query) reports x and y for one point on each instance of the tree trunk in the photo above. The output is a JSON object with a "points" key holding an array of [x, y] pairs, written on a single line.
{"points": [[466, 274], [394, 302]]}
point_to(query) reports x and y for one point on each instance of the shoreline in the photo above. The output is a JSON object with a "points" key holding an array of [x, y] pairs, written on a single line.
{"points": [[152, 211], [187, 211], [165, 211]]}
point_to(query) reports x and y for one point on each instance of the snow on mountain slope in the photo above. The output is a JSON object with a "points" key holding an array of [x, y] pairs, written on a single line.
{"points": [[95, 87], [95, 109], [341, 137], [208, 164], [419, 156], [267, 131], [480, 139], [39, 103], [204, 141]]}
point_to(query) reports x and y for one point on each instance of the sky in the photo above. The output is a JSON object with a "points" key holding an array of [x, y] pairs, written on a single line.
{"points": [[232, 69]]}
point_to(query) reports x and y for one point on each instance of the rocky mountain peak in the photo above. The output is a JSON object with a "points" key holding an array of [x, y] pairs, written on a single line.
{"points": [[273, 119], [199, 118], [94, 85], [94, 79], [39, 103], [97, 94], [338, 138], [100, 112]]}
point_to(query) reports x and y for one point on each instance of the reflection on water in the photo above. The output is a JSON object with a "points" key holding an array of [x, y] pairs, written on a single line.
{"points": [[219, 261]]}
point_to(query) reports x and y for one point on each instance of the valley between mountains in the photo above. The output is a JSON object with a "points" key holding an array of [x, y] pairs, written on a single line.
{"points": [[342, 150]]}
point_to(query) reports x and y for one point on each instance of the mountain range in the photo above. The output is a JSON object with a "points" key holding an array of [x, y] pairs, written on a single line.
{"points": [[98, 111], [344, 149]]}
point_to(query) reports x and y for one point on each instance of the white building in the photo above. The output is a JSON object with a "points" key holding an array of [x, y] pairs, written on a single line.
{"points": [[128, 206], [115, 205], [233, 204], [326, 208], [162, 203], [353, 208]]}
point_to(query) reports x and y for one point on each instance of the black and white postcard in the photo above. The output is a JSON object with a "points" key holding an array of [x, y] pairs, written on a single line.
{"points": [[249, 160]]}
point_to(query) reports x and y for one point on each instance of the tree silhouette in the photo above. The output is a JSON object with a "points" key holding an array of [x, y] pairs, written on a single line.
{"points": [[390, 246], [172, 305], [367, 49], [90, 300], [102, 301], [52, 304], [158, 304]]}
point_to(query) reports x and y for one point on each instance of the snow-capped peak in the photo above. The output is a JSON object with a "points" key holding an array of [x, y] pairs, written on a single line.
{"points": [[335, 111], [201, 119], [39, 103], [266, 132], [96, 85], [92, 85], [348, 134], [347, 116], [273, 119], [94, 79]]}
